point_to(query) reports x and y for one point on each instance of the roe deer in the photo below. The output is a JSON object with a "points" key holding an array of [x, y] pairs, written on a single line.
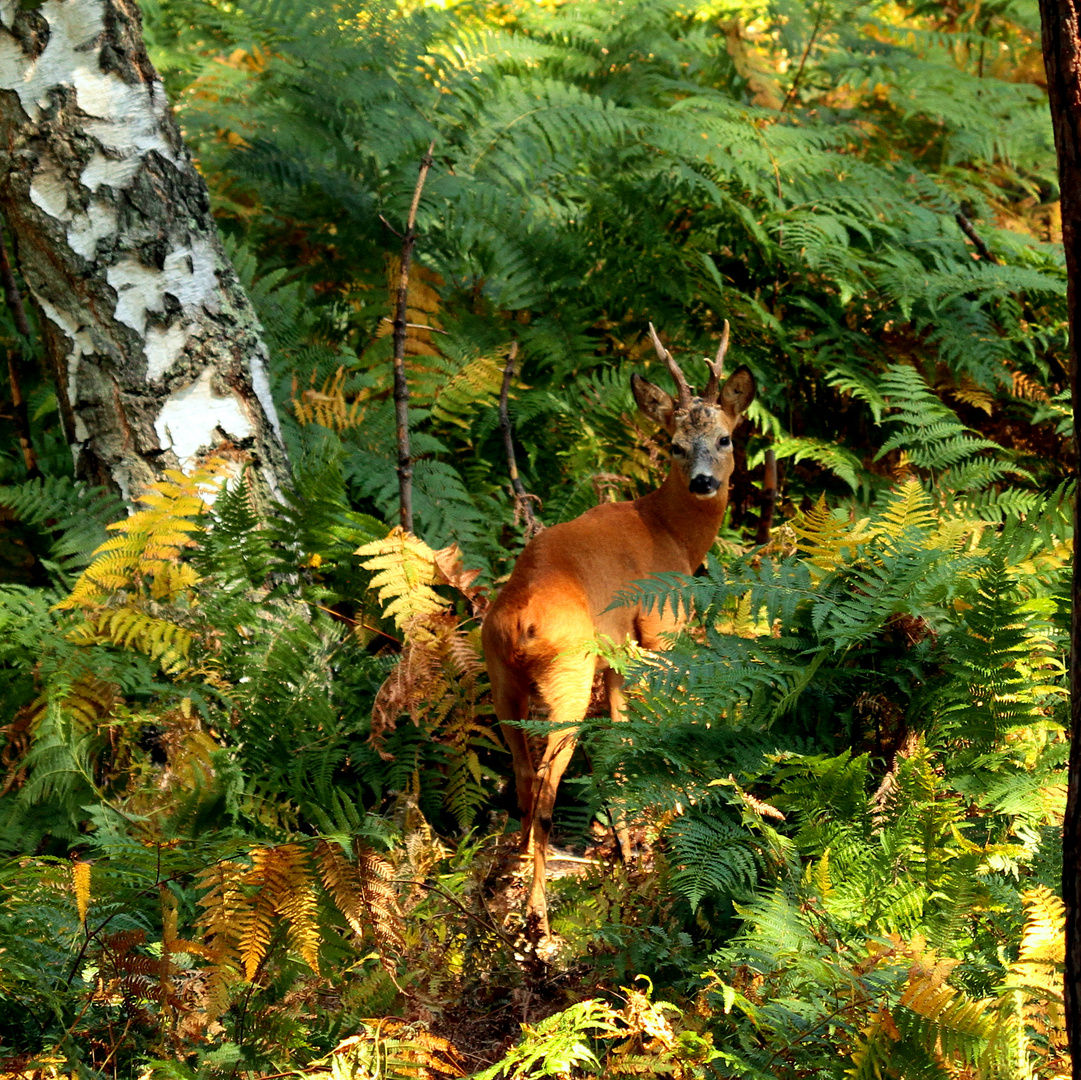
{"points": [[557, 599]]}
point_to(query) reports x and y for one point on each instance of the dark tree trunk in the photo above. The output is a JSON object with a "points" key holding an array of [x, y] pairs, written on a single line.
{"points": [[1062, 55], [155, 347]]}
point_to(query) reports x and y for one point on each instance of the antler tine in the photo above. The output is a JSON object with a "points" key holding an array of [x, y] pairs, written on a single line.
{"points": [[684, 390], [716, 369]]}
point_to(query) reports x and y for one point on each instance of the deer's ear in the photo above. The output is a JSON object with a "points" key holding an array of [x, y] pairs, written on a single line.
{"points": [[737, 393], [654, 402]]}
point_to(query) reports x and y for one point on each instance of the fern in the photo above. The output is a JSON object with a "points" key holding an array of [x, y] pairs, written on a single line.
{"points": [[713, 857], [73, 514]]}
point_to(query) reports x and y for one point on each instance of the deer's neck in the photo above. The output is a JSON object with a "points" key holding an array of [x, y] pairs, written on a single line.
{"points": [[691, 521]]}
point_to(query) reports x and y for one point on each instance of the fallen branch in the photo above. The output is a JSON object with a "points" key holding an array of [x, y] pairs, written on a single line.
{"points": [[401, 383]]}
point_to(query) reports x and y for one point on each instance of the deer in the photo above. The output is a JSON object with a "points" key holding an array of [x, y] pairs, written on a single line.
{"points": [[559, 597]]}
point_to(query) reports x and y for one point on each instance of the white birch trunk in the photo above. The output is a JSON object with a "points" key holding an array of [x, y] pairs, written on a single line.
{"points": [[156, 348]]}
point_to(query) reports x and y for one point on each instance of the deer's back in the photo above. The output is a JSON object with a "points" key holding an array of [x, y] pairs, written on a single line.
{"points": [[569, 575]]}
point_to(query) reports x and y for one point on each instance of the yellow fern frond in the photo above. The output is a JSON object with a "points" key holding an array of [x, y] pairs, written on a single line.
{"points": [[131, 628], [421, 307], [133, 573], [1043, 940], [955, 533], [225, 905], [224, 920], [284, 889], [871, 1056], [328, 406], [340, 880], [296, 903], [954, 1020], [972, 394], [256, 938], [1027, 388], [818, 874], [824, 538], [910, 507], [153, 540], [475, 386], [405, 571], [80, 880], [89, 701]]}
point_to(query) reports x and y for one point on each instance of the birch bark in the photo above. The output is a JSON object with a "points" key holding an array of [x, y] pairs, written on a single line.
{"points": [[156, 349]]}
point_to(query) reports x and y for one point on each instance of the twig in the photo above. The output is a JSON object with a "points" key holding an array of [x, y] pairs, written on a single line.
{"points": [[391, 227], [977, 241], [769, 500], [523, 500], [490, 926], [803, 59], [16, 359], [88, 936], [357, 622], [417, 326], [401, 384]]}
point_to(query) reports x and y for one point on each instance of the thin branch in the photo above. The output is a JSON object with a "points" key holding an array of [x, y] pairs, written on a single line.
{"points": [[401, 383], [523, 500], [768, 501], [417, 326], [487, 924], [970, 231], [803, 59], [17, 359], [390, 227]]}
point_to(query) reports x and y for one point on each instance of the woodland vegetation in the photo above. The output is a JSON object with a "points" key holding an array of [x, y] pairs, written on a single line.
{"points": [[253, 817]]}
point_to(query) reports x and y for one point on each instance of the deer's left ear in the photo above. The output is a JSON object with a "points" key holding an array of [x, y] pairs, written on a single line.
{"points": [[654, 402], [737, 393]]}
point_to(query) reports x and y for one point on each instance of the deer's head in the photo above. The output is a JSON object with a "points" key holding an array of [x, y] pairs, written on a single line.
{"points": [[700, 427]]}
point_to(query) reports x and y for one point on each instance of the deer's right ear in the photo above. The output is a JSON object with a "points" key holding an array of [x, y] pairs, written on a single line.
{"points": [[654, 402]]}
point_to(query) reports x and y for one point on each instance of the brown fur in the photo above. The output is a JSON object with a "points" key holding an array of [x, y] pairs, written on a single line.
{"points": [[556, 600]]}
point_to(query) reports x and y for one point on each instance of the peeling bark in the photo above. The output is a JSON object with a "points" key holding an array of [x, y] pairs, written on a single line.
{"points": [[156, 349]]}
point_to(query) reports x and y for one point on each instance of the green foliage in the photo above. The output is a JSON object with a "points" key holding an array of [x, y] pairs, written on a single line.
{"points": [[599, 166], [251, 803]]}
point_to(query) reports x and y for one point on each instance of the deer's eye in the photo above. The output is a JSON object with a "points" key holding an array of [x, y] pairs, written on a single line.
{"points": [[724, 440], [680, 451]]}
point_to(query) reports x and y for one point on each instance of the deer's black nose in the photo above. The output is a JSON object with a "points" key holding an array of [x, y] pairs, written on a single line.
{"points": [[704, 484]]}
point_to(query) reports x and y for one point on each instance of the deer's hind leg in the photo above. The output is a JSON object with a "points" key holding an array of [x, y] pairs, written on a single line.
{"points": [[510, 698], [613, 685], [567, 688]]}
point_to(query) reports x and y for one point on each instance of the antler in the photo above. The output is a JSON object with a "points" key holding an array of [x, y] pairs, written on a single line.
{"points": [[716, 369], [684, 390]]}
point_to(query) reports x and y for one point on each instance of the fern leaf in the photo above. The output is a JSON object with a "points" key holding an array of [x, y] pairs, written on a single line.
{"points": [[404, 571], [80, 878]]}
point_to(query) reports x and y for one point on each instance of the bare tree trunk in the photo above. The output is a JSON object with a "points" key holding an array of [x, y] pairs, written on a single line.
{"points": [[1062, 57], [156, 349]]}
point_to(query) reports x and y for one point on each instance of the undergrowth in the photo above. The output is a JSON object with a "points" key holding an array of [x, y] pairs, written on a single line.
{"points": [[254, 817]]}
